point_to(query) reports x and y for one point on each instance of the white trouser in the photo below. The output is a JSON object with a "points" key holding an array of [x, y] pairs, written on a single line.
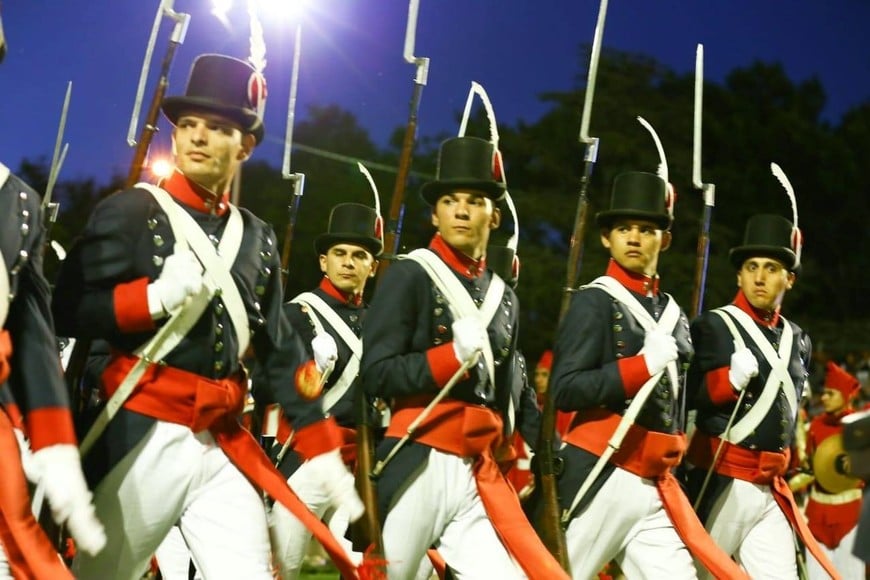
{"points": [[747, 523], [440, 506], [5, 572], [290, 538], [173, 557], [627, 522], [174, 476], [845, 562]]}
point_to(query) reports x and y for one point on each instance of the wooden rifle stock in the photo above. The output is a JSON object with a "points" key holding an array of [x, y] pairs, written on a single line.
{"points": [[394, 223], [298, 185], [701, 258], [549, 521], [149, 128], [366, 532]]}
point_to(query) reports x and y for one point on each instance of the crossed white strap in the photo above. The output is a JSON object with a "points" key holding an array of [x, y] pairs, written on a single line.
{"points": [[667, 322], [351, 369], [217, 280], [778, 361], [4, 274], [461, 304]]}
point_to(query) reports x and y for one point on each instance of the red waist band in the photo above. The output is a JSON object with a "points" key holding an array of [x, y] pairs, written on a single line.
{"points": [[452, 426], [759, 467], [178, 396], [643, 452]]}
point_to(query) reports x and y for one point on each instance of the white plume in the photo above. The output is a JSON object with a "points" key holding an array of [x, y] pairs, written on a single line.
{"points": [[364, 171], [477, 89], [789, 190], [513, 241], [663, 162]]}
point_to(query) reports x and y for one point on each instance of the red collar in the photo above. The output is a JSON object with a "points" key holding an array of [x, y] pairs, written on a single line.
{"points": [[836, 418], [762, 317], [639, 283], [353, 299], [194, 195], [459, 262]]}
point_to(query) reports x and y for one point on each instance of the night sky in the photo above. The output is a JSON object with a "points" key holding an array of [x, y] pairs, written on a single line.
{"points": [[352, 56]]}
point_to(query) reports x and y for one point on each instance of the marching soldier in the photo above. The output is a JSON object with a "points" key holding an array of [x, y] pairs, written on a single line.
{"points": [[618, 362], [444, 319], [180, 282], [316, 436], [834, 504], [747, 376], [33, 399]]}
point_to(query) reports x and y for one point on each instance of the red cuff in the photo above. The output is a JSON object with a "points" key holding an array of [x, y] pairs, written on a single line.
{"points": [[318, 438], [442, 363], [50, 426], [131, 306], [634, 374], [719, 387]]}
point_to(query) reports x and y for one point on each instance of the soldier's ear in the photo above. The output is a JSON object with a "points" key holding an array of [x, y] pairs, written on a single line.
{"points": [[667, 238], [495, 220], [248, 144]]}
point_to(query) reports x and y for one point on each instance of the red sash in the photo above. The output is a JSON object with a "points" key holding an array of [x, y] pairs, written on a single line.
{"points": [[347, 446], [651, 455], [5, 355], [473, 431], [763, 468], [178, 396], [28, 549]]}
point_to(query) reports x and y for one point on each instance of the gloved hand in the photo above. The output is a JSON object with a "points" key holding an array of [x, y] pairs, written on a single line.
{"points": [[60, 473], [325, 350], [180, 278], [469, 336], [659, 348], [338, 482], [744, 366], [31, 469]]}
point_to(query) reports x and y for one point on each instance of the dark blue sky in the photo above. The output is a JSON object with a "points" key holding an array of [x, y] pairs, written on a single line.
{"points": [[352, 55]]}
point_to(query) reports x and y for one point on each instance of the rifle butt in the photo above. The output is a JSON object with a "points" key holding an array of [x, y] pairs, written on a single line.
{"points": [[549, 523]]}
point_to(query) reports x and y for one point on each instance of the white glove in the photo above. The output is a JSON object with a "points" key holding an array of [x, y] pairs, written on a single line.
{"points": [[30, 467], [181, 277], [744, 366], [469, 336], [325, 350], [337, 482], [659, 349], [68, 495]]}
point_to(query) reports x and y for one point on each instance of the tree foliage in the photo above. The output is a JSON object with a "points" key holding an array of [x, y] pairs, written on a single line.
{"points": [[755, 117]]}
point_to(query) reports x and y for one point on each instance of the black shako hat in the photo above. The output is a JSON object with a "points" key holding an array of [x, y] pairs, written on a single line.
{"points": [[770, 236], [466, 163], [225, 86], [352, 223], [637, 194]]}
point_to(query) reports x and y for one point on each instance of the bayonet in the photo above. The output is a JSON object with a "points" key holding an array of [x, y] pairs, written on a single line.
{"points": [[708, 190]]}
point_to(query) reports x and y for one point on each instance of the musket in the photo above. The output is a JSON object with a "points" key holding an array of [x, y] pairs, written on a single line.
{"points": [[394, 222], [366, 534], [50, 208], [367, 530], [149, 127], [708, 190], [297, 179], [78, 358], [549, 525]]}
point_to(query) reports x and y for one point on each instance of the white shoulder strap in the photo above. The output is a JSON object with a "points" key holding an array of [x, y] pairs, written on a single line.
{"points": [[778, 361], [351, 370], [217, 263], [460, 303], [4, 274]]}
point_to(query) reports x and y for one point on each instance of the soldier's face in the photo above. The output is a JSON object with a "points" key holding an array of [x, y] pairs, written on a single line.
{"points": [[464, 219], [542, 379], [348, 266], [209, 149], [635, 244], [764, 282]]}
